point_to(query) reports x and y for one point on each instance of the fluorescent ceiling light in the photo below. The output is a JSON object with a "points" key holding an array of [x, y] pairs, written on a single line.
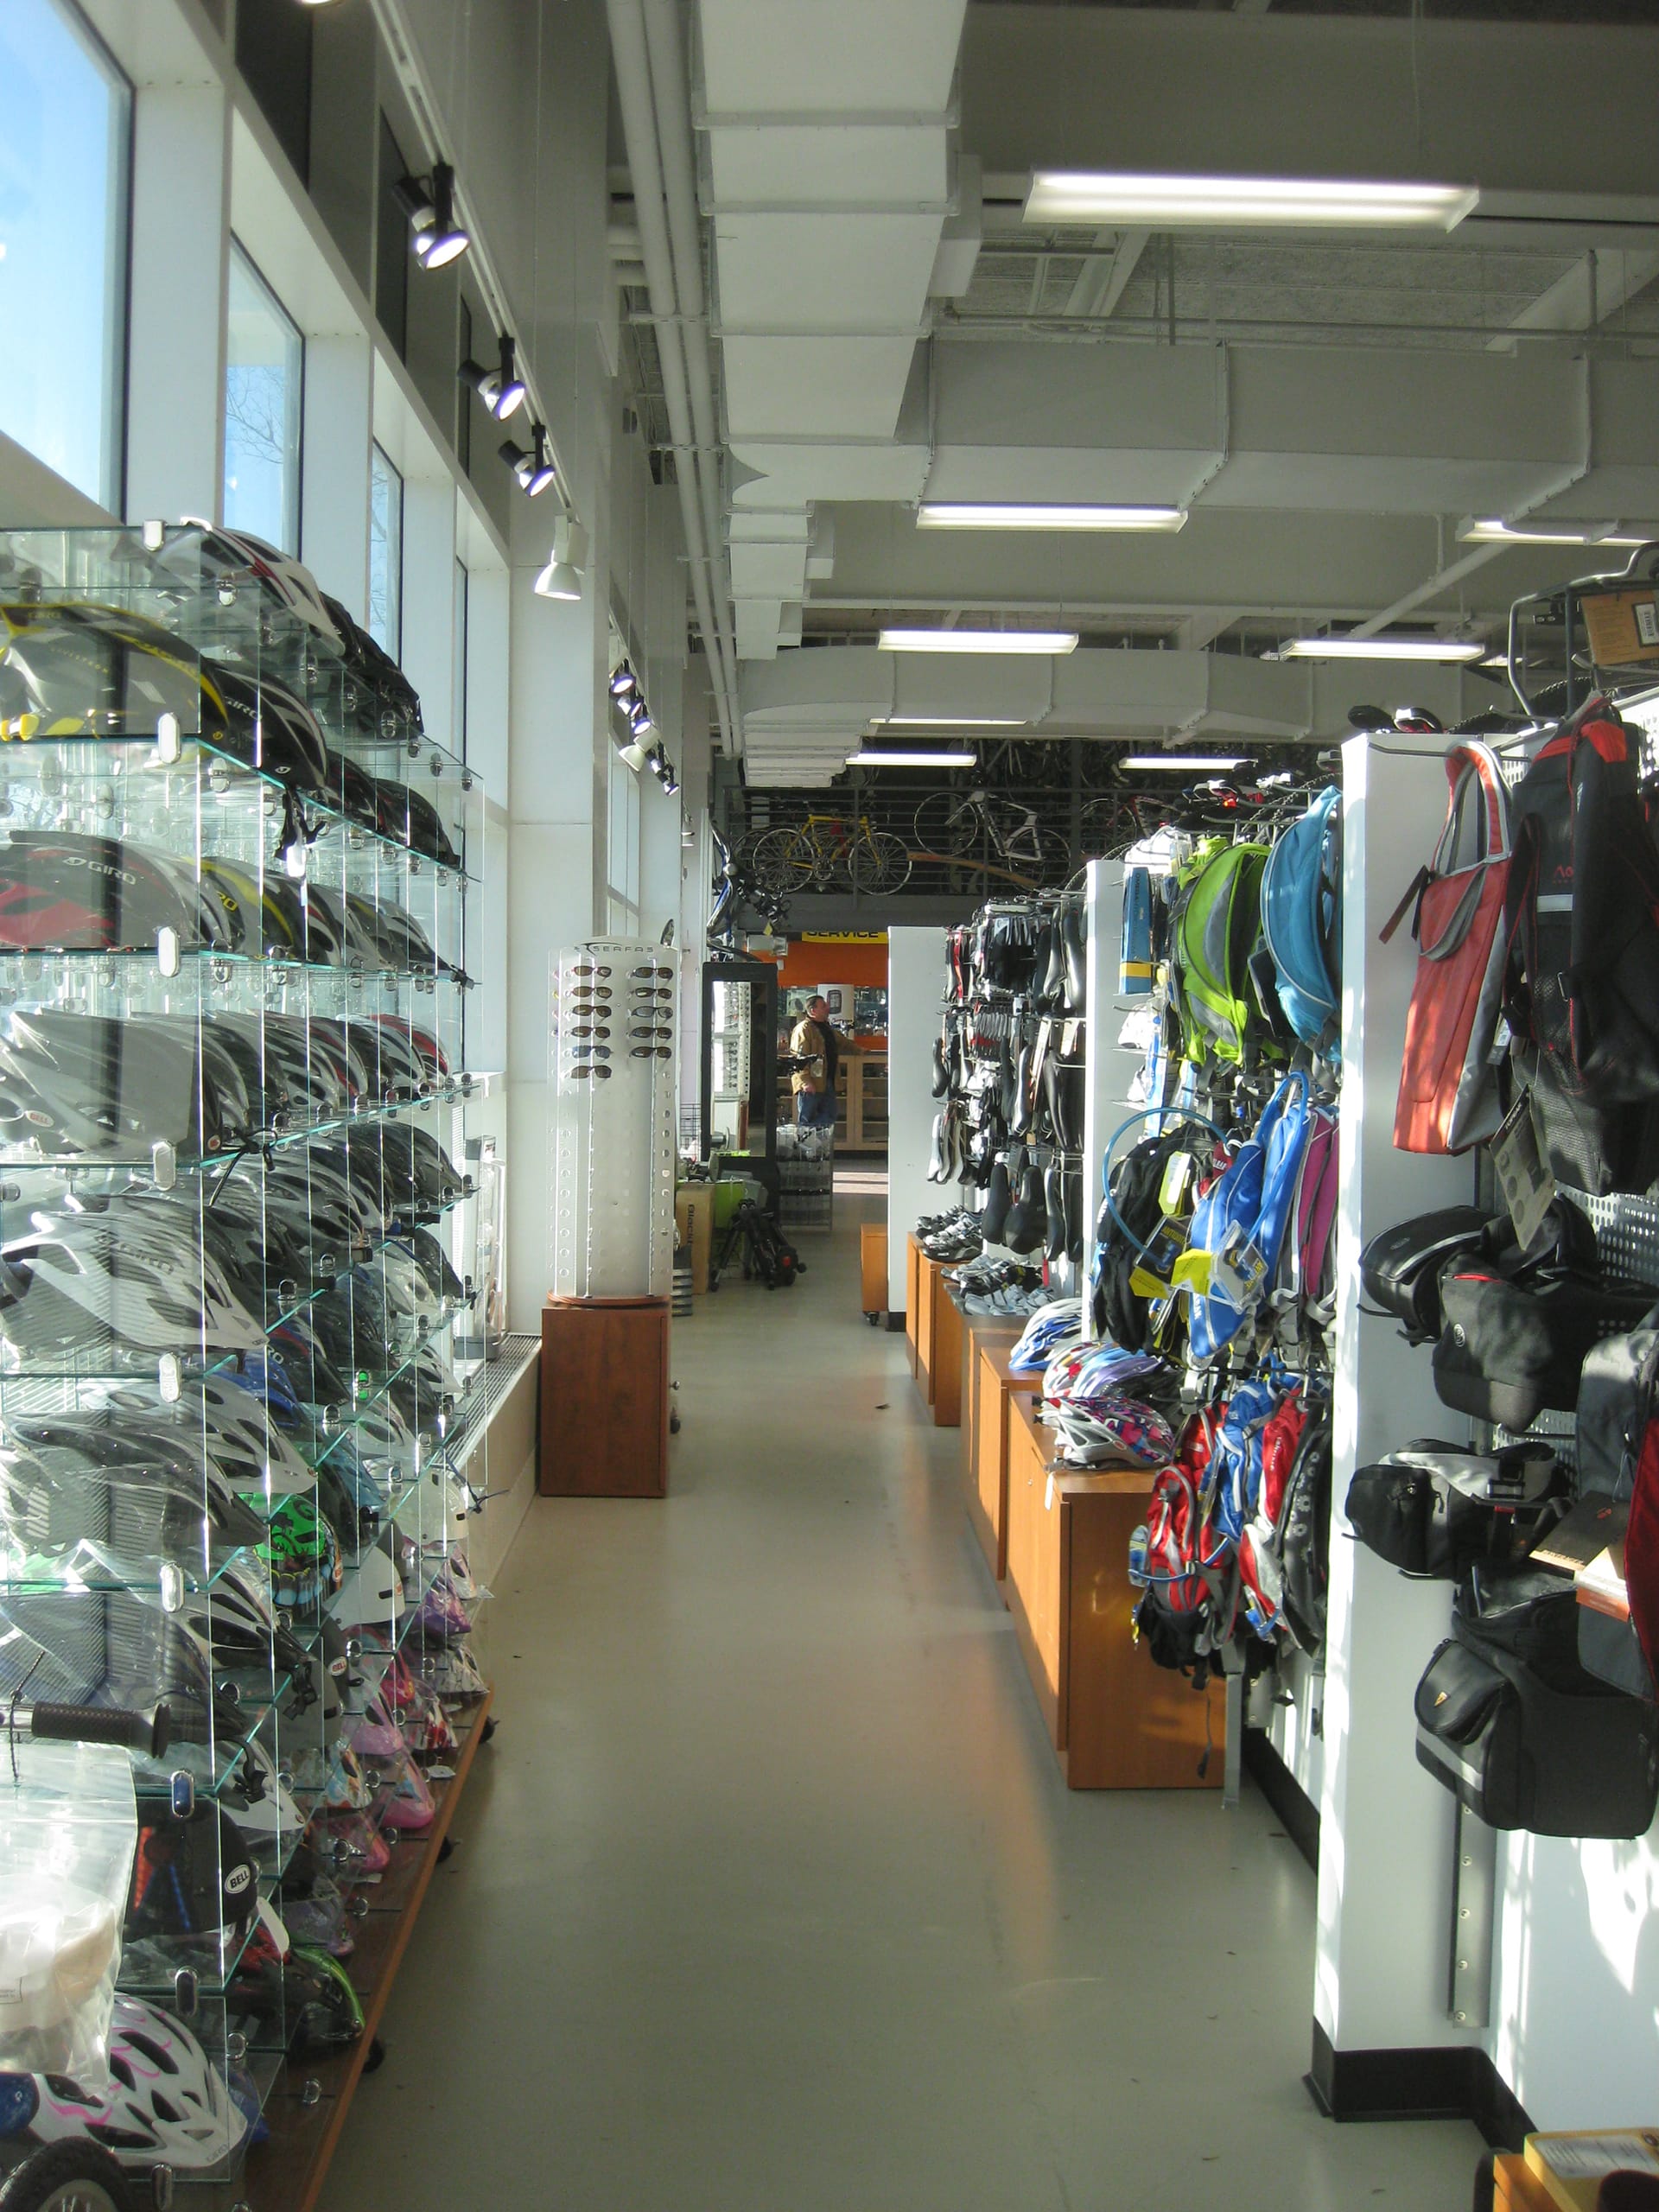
{"points": [[1125, 200], [949, 721], [1491, 530], [1444, 649], [909, 760], [959, 514], [1186, 760], [978, 641]]}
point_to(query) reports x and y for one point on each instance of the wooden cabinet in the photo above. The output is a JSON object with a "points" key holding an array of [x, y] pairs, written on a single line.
{"points": [[937, 1340], [914, 1265], [986, 1387], [1116, 1721], [873, 1268], [861, 1102], [605, 1398]]}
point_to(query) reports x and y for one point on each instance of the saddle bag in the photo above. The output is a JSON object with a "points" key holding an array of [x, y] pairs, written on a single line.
{"points": [[1435, 1509]]}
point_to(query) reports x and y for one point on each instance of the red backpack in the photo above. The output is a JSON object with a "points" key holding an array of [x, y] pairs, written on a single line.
{"points": [[1448, 1091]]}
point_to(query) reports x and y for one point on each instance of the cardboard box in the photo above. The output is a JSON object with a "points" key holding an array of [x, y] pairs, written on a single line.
{"points": [[694, 1224], [1623, 626]]}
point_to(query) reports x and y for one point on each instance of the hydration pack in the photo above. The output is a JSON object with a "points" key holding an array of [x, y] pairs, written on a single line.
{"points": [[1301, 921], [1216, 928]]}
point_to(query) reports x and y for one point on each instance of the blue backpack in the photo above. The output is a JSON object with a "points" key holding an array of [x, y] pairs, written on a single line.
{"points": [[1251, 1205], [1302, 920]]}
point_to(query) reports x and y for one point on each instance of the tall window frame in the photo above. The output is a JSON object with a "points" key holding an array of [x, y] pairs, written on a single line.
{"points": [[66, 161], [264, 407], [385, 623]]}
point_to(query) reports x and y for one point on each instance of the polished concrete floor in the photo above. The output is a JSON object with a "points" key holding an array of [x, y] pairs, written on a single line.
{"points": [[768, 1896]]}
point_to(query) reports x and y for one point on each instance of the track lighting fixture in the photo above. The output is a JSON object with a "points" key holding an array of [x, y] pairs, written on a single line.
{"points": [[633, 755], [562, 578], [501, 390], [429, 203], [534, 469], [639, 720], [623, 683]]}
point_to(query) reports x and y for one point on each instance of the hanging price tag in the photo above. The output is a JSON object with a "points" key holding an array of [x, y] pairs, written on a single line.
{"points": [[1528, 1187]]}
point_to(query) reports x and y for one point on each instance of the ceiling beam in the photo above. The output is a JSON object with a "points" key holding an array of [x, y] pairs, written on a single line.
{"points": [[1451, 101]]}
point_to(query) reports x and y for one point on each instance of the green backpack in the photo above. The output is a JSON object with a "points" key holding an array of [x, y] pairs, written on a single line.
{"points": [[1218, 927]]}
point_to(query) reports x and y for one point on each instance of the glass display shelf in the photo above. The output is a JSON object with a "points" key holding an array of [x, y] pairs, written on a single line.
{"points": [[168, 1581]]}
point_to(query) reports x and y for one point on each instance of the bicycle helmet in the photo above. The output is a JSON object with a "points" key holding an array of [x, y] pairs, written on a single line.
{"points": [[264, 1375], [371, 1591], [75, 669], [60, 891], [193, 1877], [441, 1616], [266, 727], [433, 1263], [165, 2105], [87, 1083], [240, 1626], [396, 1276], [314, 1915], [213, 565], [1111, 1430], [1052, 1329], [404, 1799], [223, 1417], [302, 1554], [110, 1647], [425, 832], [350, 1495], [266, 919], [353, 790], [137, 1498], [269, 1097], [376, 670], [448, 1670], [258, 1799], [419, 1715], [326, 2012], [340, 916], [424, 1391], [86, 1291]]}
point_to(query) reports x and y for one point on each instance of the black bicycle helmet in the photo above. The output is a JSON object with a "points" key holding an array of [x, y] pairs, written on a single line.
{"points": [[352, 789], [76, 669], [427, 832], [433, 1263], [193, 1877], [62, 892], [393, 707], [131, 1494], [270, 728], [88, 1083], [91, 1286], [350, 1044], [267, 915]]}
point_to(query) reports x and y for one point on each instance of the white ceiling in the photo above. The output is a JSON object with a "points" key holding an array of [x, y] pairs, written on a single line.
{"points": [[1330, 409]]}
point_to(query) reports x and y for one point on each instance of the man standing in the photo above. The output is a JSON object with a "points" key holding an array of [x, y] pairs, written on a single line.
{"points": [[816, 1043]]}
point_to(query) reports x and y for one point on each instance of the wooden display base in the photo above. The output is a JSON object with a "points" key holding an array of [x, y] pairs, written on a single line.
{"points": [[915, 1265], [1115, 1720], [605, 1398], [987, 1390], [872, 1269], [307, 2109]]}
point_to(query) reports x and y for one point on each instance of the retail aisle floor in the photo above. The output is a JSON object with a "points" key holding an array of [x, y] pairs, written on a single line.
{"points": [[769, 1898]]}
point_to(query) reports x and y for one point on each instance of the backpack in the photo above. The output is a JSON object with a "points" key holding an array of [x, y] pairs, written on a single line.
{"points": [[1448, 1096], [1304, 1289], [1216, 928], [1126, 1226], [1183, 1566], [1301, 921], [1261, 1585], [1583, 917], [1303, 1538], [1250, 1206]]}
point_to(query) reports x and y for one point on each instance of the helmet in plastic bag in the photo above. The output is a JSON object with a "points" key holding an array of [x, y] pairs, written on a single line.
{"points": [[165, 2104], [370, 1592], [60, 891], [193, 1877]]}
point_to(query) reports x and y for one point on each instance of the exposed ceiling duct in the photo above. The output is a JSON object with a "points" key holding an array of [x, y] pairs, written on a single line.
{"points": [[804, 712], [831, 182]]}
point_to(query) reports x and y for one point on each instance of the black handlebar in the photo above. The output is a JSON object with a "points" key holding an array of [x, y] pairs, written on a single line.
{"points": [[150, 1733]]}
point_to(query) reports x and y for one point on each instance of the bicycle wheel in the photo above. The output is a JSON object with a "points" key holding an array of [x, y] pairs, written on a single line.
{"points": [[881, 862], [786, 860], [1040, 854], [948, 823]]}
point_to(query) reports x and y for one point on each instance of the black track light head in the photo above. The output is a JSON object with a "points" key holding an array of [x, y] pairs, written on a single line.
{"points": [[429, 203], [501, 390]]}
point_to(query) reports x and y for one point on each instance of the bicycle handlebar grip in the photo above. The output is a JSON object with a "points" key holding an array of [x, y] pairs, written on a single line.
{"points": [[93, 1724]]}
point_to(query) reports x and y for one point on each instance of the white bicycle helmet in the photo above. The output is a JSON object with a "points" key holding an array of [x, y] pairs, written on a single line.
{"points": [[1052, 1329], [225, 560], [165, 2105], [119, 1285], [257, 1799], [370, 1592]]}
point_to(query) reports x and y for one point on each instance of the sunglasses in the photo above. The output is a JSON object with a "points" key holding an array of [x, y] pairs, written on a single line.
{"points": [[600, 1072], [654, 974], [591, 1052], [591, 1029], [650, 1053], [589, 969], [662, 1030]]}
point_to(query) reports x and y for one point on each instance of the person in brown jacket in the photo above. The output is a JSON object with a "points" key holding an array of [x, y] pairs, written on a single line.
{"points": [[817, 1044]]}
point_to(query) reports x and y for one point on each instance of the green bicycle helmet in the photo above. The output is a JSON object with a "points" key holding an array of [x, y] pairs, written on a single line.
{"points": [[303, 1553]]}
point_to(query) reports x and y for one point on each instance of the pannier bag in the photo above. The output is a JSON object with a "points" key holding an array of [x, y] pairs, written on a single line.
{"points": [[1584, 907], [1448, 1093], [1216, 932], [1436, 1508], [1302, 920], [1400, 1270], [1510, 1722], [1516, 1337]]}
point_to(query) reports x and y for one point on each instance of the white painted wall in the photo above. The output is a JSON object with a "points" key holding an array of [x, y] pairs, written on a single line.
{"points": [[915, 983]]}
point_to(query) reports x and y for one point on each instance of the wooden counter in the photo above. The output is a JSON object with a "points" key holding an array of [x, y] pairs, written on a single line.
{"points": [[872, 1269], [986, 1387], [1115, 1720]]}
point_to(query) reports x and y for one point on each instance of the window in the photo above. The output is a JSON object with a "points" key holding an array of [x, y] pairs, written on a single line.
{"points": [[458, 703], [264, 364], [385, 554], [65, 115]]}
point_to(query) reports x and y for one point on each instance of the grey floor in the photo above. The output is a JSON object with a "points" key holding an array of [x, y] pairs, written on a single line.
{"points": [[769, 1898]]}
